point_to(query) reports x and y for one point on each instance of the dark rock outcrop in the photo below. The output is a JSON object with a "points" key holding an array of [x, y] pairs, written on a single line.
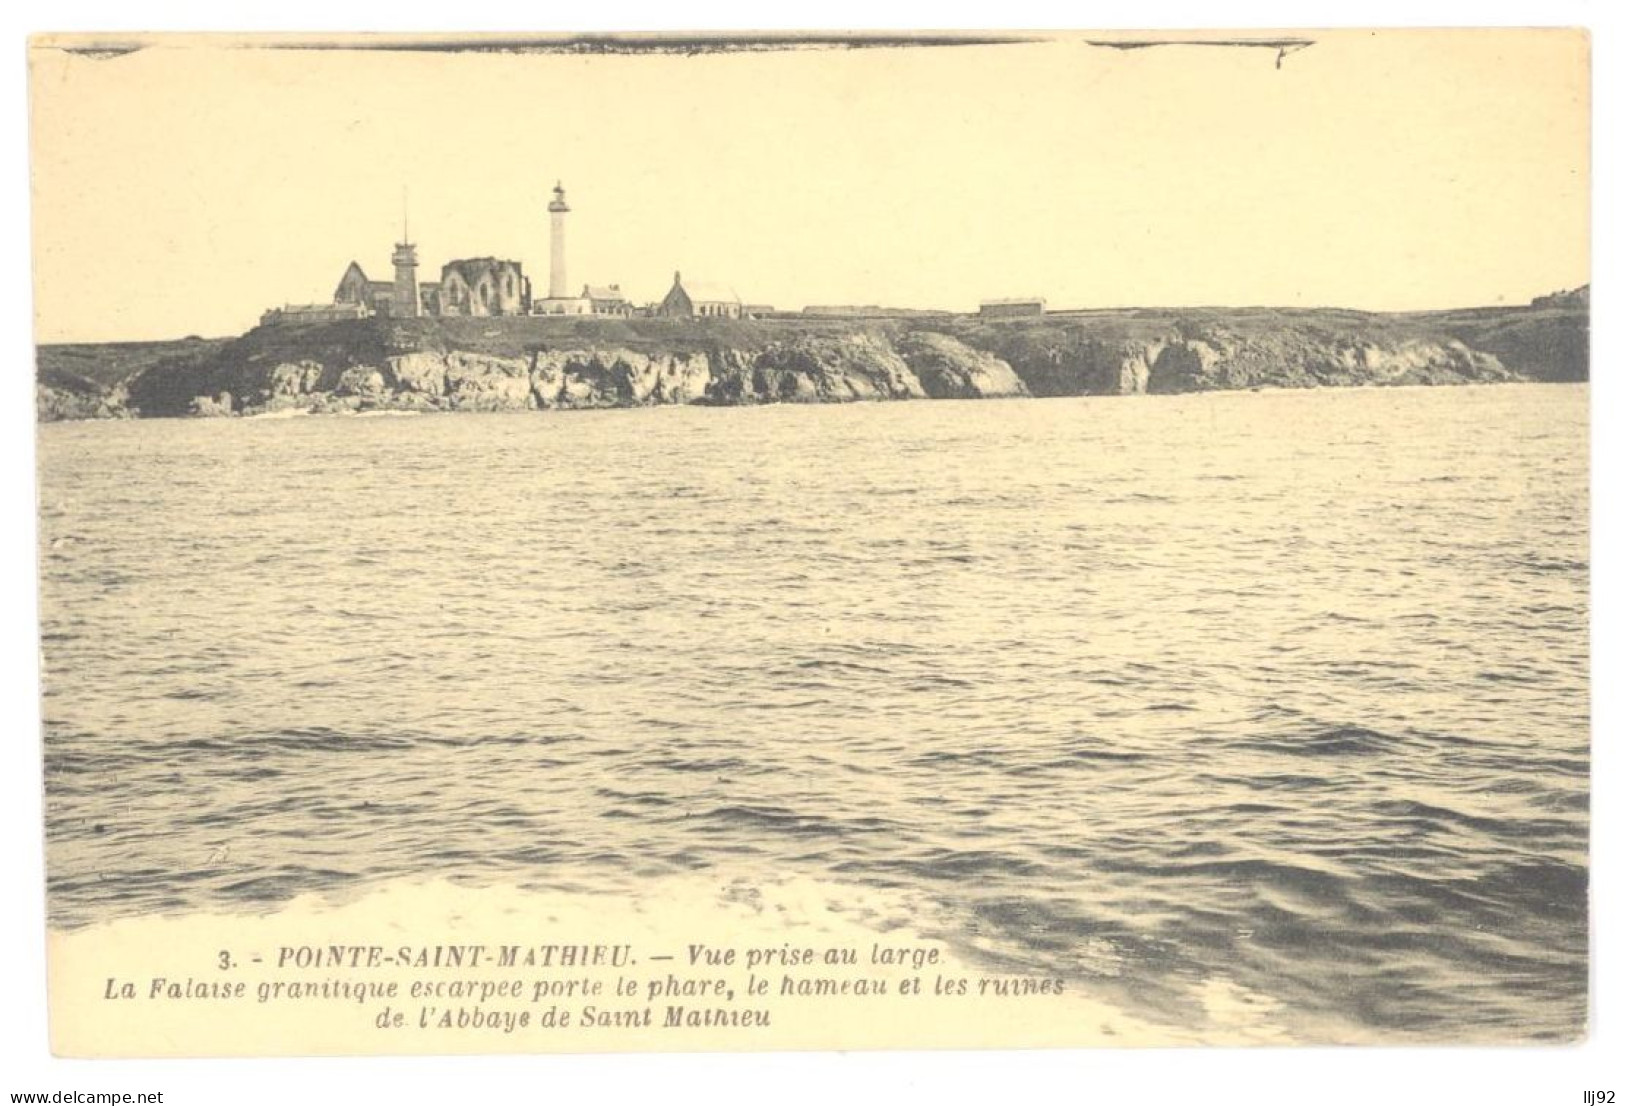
{"points": [[829, 369], [618, 378], [60, 394], [1217, 358], [949, 369], [1063, 361]]}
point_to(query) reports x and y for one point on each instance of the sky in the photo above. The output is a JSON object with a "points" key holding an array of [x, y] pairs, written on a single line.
{"points": [[186, 187]]}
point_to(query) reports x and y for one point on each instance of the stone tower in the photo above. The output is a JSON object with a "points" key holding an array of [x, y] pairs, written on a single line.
{"points": [[558, 284], [404, 301]]}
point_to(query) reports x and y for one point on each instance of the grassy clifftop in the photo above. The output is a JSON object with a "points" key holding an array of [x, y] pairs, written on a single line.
{"points": [[108, 364], [524, 335], [89, 380]]}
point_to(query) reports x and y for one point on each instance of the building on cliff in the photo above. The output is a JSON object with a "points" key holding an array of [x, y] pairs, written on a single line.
{"points": [[699, 300], [313, 313], [1022, 306], [376, 296], [467, 286], [607, 299], [478, 286], [482, 286], [399, 297]]}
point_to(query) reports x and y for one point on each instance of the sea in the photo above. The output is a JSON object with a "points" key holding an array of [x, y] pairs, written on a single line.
{"points": [[1280, 692]]}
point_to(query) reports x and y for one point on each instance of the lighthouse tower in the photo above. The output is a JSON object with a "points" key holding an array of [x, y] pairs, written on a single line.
{"points": [[558, 286], [559, 301]]}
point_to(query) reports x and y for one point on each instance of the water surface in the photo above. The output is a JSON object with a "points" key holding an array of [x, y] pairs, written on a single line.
{"points": [[1280, 693]]}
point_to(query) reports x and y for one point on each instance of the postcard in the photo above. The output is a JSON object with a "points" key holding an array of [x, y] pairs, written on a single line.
{"points": [[813, 541]]}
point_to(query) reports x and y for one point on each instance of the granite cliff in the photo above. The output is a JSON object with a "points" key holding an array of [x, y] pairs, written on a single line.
{"points": [[526, 363]]}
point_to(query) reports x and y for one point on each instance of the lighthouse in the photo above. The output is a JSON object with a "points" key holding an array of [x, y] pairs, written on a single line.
{"points": [[558, 286], [559, 301]]}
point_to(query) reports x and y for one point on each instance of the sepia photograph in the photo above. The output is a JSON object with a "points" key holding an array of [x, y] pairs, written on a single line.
{"points": [[647, 542]]}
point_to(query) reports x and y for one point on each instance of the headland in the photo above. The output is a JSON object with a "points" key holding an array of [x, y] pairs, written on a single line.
{"points": [[540, 362]]}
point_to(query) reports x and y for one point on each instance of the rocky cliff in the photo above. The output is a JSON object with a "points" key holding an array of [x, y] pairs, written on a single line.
{"points": [[537, 363], [1120, 353]]}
